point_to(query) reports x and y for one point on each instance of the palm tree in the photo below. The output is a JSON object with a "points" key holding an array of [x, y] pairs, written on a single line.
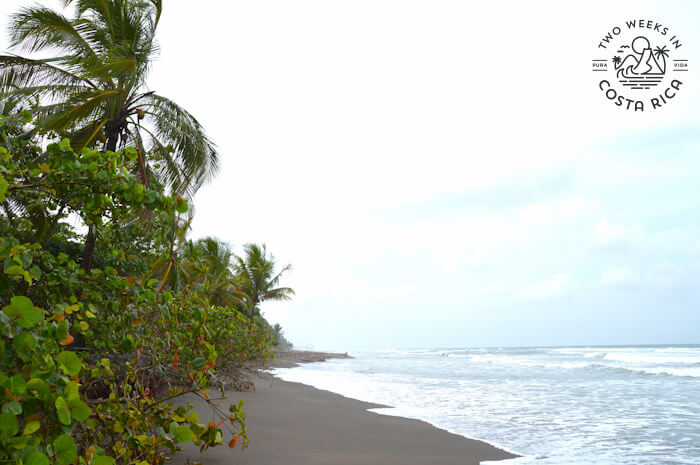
{"points": [[94, 90], [278, 335], [661, 53], [213, 259], [207, 264], [256, 277], [172, 268], [616, 61]]}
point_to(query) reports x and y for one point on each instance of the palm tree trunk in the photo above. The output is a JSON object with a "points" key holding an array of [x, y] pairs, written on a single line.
{"points": [[112, 139], [89, 249]]}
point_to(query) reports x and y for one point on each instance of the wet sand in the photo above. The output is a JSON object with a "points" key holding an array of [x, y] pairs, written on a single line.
{"points": [[294, 424]]}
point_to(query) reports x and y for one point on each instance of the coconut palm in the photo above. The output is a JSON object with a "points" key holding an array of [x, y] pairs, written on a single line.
{"points": [[212, 260], [209, 264], [94, 89], [172, 268], [256, 277], [616, 61]]}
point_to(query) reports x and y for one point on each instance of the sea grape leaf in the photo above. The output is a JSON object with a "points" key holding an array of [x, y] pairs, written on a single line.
{"points": [[8, 425], [79, 410], [31, 427], [16, 385], [102, 460], [182, 434], [40, 386], [3, 189], [36, 458], [13, 407], [24, 311], [69, 363], [65, 449], [62, 411]]}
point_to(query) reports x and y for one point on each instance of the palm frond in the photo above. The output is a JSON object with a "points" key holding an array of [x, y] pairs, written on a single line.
{"points": [[36, 28], [194, 152], [84, 108], [18, 72], [281, 293]]}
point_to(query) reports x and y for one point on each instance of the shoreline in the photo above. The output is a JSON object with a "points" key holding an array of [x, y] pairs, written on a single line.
{"points": [[514, 455], [293, 424], [315, 357], [293, 358]]}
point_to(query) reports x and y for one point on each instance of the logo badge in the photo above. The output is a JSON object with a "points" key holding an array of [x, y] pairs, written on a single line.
{"points": [[640, 65]]}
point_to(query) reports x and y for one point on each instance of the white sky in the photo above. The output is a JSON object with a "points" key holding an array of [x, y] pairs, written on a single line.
{"points": [[444, 173]]}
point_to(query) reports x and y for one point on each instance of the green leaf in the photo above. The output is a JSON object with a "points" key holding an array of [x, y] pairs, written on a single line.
{"points": [[199, 362], [79, 410], [36, 458], [14, 269], [181, 205], [3, 189], [127, 344], [65, 449], [102, 460], [64, 145], [13, 407], [62, 411], [183, 434], [131, 154], [69, 363], [40, 386], [24, 311], [8, 425], [30, 317], [17, 385], [24, 341], [31, 427], [71, 390]]}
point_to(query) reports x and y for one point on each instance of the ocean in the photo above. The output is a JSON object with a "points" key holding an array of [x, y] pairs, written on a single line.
{"points": [[552, 405]]}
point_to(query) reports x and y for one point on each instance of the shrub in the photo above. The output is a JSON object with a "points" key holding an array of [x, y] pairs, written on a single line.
{"points": [[91, 360]]}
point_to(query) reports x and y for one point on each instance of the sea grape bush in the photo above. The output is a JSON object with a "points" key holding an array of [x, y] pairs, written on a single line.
{"points": [[90, 361], [240, 341]]}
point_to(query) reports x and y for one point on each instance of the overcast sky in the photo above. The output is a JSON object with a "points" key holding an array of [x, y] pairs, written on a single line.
{"points": [[444, 173]]}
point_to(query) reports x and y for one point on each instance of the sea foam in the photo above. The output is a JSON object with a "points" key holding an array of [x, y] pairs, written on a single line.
{"points": [[554, 406]]}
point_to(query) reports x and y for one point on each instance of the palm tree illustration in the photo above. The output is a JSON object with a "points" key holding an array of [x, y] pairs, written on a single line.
{"points": [[616, 61], [660, 53]]}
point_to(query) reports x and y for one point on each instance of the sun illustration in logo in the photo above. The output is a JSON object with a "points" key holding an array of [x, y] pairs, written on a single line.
{"points": [[641, 67]]}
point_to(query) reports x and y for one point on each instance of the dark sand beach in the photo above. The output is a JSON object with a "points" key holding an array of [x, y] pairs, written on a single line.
{"points": [[294, 424]]}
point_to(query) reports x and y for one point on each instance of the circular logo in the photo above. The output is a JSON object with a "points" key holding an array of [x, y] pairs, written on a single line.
{"points": [[640, 65]]}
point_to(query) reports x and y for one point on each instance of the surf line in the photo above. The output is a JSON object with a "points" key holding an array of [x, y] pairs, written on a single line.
{"points": [[638, 105]]}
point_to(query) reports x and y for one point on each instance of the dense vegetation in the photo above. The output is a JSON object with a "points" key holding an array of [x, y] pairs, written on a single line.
{"points": [[108, 311]]}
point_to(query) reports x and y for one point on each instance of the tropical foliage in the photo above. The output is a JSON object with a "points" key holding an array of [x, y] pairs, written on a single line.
{"points": [[93, 90], [90, 361], [257, 278], [108, 313]]}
